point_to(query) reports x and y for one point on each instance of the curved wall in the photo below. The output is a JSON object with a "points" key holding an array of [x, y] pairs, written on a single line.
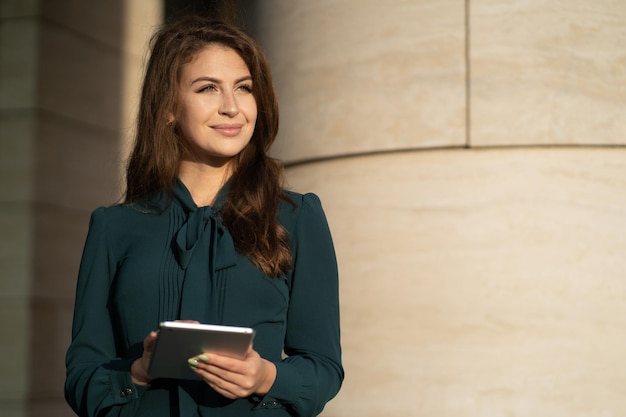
{"points": [[479, 282], [478, 277], [358, 77]]}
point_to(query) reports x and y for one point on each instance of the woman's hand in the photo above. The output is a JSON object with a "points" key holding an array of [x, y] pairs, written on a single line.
{"points": [[139, 368], [235, 378]]}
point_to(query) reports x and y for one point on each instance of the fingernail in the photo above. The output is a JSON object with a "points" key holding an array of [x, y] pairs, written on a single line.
{"points": [[193, 362], [203, 357]]}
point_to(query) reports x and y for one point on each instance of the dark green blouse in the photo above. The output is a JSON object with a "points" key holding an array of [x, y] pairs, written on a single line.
{"points": [[169, 259]]}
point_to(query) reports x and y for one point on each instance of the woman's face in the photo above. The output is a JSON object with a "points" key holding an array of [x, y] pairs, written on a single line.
{"points": [[217, 109]]}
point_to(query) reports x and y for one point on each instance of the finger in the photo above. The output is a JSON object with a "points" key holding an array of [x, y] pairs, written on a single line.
{"points": [[225, 370], [228, 361], [241, 374], [225, 387], [149, 341], [225, 363], [236, 388]]}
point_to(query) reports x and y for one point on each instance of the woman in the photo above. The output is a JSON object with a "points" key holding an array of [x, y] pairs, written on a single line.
{"points": [[206, 233]]}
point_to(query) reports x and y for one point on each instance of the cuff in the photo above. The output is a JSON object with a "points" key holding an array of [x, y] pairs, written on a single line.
{"points": [[123, 390]]}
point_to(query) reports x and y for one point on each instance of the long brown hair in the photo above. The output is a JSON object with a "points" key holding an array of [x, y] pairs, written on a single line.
{"points": [[255, 189]]}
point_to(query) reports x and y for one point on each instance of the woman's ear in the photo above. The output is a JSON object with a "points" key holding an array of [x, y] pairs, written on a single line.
{"points": [[170, 118]]}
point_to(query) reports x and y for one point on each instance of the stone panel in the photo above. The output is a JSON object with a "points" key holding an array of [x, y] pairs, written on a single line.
{"points": [[80, 78], [15, 286], [548, 72], [60, 237], [77, 164], [18, 63], [50, 337], [15, 408], [350, 74], [483, 283], [18, 8], [16, 154], [50, 407], [16, 243], [102, 21], [14, 351], [142, 18]]}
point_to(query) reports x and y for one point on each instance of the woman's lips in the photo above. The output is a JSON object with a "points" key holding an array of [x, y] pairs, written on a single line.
{"points": [[227, 130]]}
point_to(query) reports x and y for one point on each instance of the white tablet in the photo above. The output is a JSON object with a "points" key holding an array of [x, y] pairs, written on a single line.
{"points": [[179, 341]]}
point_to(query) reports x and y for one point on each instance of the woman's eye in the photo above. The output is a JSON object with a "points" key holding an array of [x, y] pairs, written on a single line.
{"points": [[245, 88], [208, 88]]}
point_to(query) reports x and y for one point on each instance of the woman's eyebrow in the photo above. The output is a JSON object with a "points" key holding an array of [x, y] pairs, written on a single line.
{"points": [[218, 81]]}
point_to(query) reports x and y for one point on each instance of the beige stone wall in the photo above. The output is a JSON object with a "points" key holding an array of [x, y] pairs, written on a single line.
{"points": [[547, 72], [68, 81], [479, 282], [366, 76], [470, 158], [17, 97]]}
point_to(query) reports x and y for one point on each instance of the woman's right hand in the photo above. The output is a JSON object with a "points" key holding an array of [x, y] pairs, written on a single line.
{"points": [[139, 368]]}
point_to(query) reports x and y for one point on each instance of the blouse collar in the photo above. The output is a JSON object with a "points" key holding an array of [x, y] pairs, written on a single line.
{"points": [[182, 195]]}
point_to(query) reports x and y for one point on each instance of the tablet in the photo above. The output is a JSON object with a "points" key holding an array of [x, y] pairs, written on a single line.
{"points": [[179, 341]]}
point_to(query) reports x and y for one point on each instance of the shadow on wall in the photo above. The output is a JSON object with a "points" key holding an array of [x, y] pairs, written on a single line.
{"points": [[76, 120]]}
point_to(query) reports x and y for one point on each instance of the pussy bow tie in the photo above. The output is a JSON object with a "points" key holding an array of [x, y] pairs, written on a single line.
{"points": [[203, 248]]}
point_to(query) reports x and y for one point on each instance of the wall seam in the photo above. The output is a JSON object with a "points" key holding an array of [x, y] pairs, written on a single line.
{"points": [[316, 160], [468, 90]]}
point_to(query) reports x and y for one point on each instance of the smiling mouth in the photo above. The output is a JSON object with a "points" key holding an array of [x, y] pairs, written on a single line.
{"points": [[227, 129]]}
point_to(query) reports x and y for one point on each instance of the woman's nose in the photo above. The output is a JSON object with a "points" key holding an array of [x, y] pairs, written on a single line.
{"points": [[229, 105]]}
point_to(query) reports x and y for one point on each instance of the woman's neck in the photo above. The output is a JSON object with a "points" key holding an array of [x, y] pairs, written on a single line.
{"points": [[203, 181]]}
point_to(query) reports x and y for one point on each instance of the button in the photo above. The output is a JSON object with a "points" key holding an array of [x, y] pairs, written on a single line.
{"points": [[274, 404], [127, 391]]}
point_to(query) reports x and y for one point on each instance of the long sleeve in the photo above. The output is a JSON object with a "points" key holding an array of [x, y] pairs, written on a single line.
{"points": [[97, 379], [312, 373]]}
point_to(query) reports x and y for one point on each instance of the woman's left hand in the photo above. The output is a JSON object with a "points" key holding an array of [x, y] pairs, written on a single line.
{"points": [[235, 378]]}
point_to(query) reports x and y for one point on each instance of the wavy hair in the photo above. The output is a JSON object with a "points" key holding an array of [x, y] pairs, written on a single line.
{"points": [[256, 186]]}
